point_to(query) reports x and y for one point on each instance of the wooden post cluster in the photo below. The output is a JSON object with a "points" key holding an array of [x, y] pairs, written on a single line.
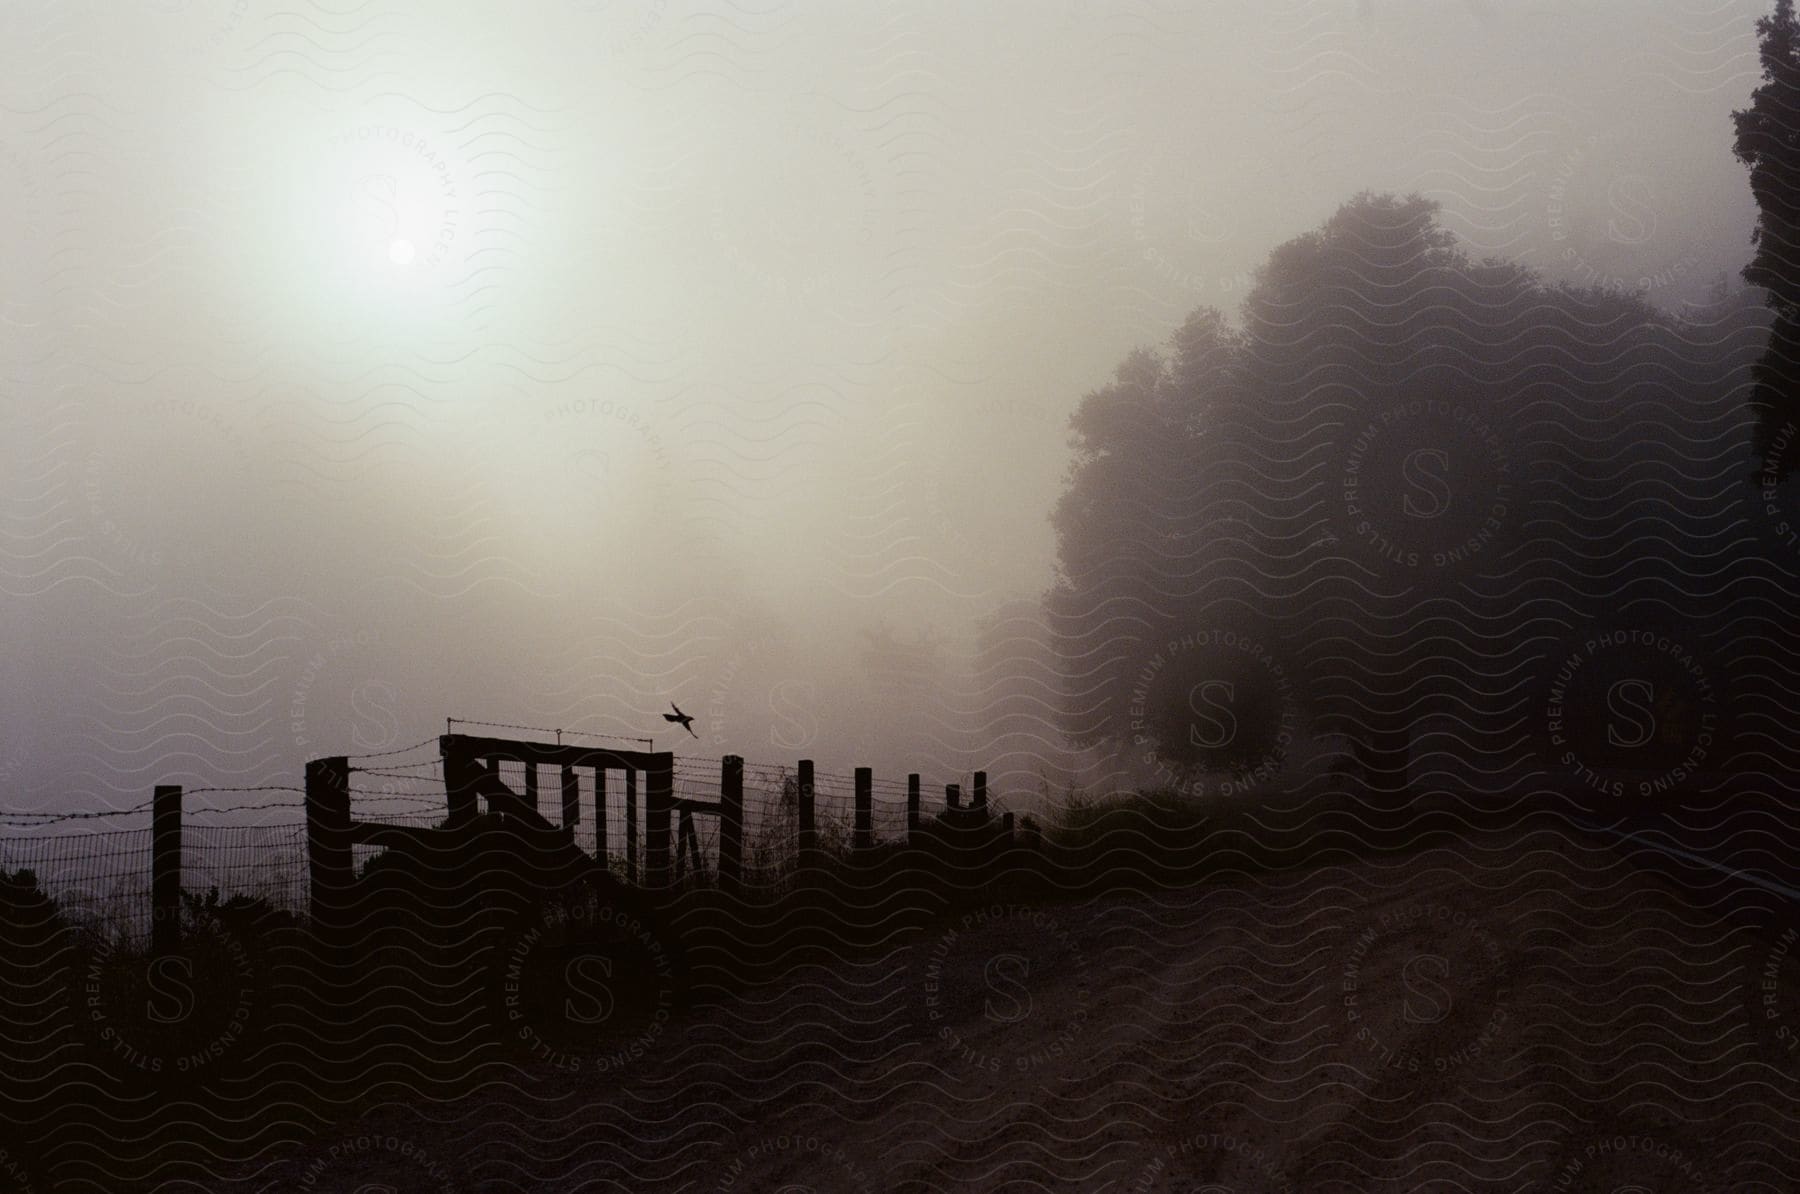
{"points": [[472, 779], [963, 817]]}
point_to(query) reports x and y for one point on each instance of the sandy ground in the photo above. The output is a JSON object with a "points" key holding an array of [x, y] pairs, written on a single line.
{"points": [[1521, 1013]]}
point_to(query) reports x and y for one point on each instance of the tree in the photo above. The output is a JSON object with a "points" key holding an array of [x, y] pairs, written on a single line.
{"points": [[1385, 504], [1768, 142]]}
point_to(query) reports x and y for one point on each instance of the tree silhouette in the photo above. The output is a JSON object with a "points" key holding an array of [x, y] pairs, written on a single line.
{"points": [[1768, 142], [1397, 487]]}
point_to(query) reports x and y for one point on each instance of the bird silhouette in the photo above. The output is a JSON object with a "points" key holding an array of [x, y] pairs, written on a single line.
{"points": [[679, 718]]}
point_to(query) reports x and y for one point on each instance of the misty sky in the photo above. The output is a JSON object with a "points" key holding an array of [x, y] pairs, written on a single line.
{"points": [[367, 364]]}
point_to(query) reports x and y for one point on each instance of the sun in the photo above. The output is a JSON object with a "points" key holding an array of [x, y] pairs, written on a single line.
{"points": [[401, 252]]}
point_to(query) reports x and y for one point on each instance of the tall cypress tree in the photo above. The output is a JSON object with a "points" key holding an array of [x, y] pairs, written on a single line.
{"points": [[1768, 141]]}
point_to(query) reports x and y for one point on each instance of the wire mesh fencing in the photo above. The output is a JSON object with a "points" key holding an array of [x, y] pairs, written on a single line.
{"points": [[101, 878], [101, 881]]}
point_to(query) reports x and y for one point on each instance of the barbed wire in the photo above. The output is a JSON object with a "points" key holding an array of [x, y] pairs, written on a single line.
{"points": [[41, 818], [38, 818], [824, 783], [264, 855], [409, 797], [245, 808], [434, 762], [417, 779], [502, 725], [382, 754]]}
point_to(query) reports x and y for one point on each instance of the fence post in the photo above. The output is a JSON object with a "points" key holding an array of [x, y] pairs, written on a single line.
{"points": [[165, 869], [980, 793], [333, 867], [659, 803], [731, 823], [864, 836], [531, 788], [953, 796], [571, 800], [462, 772], [600, 814], [809, 834], [912, 809], [631, 871]]}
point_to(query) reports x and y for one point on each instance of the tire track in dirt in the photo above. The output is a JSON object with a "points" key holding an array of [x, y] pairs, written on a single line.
{"points": [[1527, 1011]]}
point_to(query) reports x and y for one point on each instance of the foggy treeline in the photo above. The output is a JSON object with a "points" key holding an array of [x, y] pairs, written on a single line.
{"points": [[1400, 493]]}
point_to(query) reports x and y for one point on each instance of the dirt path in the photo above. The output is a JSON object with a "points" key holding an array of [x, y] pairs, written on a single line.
{"points": [[1525, 1013]]}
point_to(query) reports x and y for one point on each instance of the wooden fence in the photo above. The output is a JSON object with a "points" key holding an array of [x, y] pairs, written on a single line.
{"points": [[661, 851]]}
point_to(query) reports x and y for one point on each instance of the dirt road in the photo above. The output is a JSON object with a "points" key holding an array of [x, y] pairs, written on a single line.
{"points": [[1531, 1012]]}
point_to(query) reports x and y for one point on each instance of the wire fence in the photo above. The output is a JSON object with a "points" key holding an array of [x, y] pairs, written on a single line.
{"points": [[101, 877]]}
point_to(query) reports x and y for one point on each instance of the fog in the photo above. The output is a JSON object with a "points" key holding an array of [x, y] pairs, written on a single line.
{"points": [[550, 363]]}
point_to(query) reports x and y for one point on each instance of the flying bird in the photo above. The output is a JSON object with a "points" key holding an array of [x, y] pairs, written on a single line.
{"points": [[679, 718]]}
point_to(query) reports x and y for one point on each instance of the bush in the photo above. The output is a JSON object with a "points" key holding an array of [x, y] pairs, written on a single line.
{"points": [[242, 915], [27, 916]]}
